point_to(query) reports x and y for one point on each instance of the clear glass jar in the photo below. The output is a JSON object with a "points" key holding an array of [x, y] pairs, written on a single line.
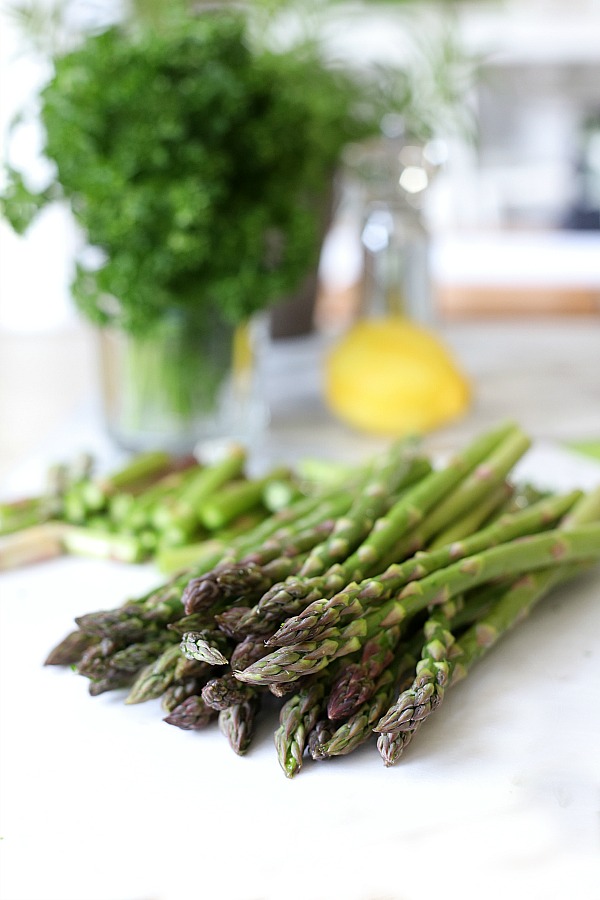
{"points": [[396, 268], [183, 384], [389, 180]]}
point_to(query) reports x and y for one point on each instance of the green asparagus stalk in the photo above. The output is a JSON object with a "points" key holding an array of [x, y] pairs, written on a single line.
{"points": [[432, 674], [284, 688], [297, 718], [403, 516], [124, 665], [132, 511], [279, 493], [155, 678], [302, 720], [179, 690], [396, 729], [486, 477], [398, 470], [357, 599], [201, 555], [248, 573], [303, 513], [246, 652], [358, 728], [412, 507], [517, 600], [434, 667], [199, 621], [69, 651], [237, 723], [226, 691], [136, 474], [392, 744], [228, 621], [219, 509], [192, 714], [16, 515], [209, 645], [287, 597], [95, 661], [275, 535], [358, 682], [32, 545], [137, 618], [192, 668], [513, 558], [474, 519], [321, 733], [85, 541], [86, 494], [183, 511]]}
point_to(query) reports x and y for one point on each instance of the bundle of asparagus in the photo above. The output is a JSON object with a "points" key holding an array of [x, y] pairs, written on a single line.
{"points": [[357, 606], [157, 506]]}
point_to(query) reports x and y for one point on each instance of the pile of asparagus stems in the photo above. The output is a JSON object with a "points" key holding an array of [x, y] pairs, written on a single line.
{"points": [[357, 606], [158, 506]]}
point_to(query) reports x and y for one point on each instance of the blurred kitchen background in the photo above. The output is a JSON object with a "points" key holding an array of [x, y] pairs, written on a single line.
{"points": [[512, 212]]}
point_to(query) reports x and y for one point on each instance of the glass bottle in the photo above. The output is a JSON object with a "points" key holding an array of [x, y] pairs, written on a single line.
{"points": [[392, 177]]}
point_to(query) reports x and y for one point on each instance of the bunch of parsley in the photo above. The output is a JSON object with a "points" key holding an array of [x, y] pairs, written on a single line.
{"points": [[196, 164]]}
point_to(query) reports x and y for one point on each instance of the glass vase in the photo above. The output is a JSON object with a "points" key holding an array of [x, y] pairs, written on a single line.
{"points": [[183, 385]]}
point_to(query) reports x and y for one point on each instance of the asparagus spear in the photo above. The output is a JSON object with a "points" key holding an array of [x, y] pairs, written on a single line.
{"points": [[209, 645], [358, 681], [237, 723], [474, 519], [226, 691], [247, 652], [16, 515], [302, 721], [179, 691], [191, 714], [318, 737], [357, 598], [132, 510], [396, 727], [297, 718], [410, 710], [228, 620], [70, 650], [95, 661], [404, 515], [135, 619], [486, 477], [432, 675], [183, 511], [155, 678], [357, 684], [31, 545], [219, 509], [250, 574], [513, 558], [123, 666], [358, 728], [398, 470]]}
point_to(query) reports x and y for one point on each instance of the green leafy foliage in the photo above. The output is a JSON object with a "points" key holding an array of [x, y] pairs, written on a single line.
{"points": [[199, 167]]}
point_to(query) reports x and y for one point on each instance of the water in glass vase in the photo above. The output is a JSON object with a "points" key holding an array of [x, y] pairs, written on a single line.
{"points": [[183, 384]]}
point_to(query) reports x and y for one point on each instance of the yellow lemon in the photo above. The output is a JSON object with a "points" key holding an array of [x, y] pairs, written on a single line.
{"points": [[392, 377]]}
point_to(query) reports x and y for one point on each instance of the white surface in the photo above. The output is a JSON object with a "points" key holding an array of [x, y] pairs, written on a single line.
{"points": [[545, 259], [105, 802]]}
